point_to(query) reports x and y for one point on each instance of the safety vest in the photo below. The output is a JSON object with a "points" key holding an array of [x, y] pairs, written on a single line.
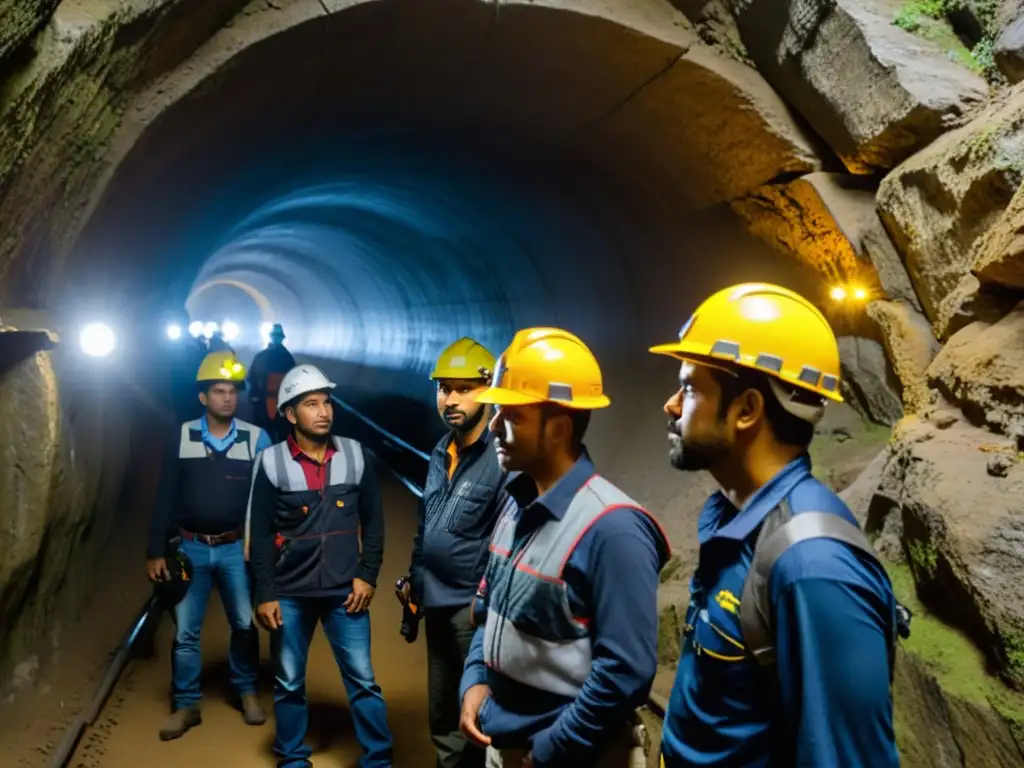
{"points": [[531, 636]]}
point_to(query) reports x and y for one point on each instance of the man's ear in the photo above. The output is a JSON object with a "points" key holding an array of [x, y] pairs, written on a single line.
{"points": [[204, 399], [750, 409]]}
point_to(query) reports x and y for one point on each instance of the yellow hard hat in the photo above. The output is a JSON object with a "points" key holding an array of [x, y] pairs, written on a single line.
{"points": [[547, 365], [463, 359], [221, 366], [767, 328]]}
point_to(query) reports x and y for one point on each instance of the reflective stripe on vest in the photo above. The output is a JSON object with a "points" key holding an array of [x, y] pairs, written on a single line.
{"points": [[285, 474], [240, 450], [531, 636]]}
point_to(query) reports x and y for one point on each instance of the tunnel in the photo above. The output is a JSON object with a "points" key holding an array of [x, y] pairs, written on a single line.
{"points": [[383, 177]]}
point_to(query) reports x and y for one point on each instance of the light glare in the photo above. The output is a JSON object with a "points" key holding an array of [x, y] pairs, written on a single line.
{"points": [[97, 340], [230, 330], [173, 331]]}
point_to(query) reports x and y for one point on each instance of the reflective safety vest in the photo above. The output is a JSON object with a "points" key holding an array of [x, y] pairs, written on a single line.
{"points": [[531, 635]]}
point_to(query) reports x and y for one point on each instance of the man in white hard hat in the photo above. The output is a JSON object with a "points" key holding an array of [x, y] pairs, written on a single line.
{"points": [[312, 497]]}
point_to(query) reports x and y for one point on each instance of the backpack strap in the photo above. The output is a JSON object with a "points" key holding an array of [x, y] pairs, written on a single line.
{"points": [[781, 530]]}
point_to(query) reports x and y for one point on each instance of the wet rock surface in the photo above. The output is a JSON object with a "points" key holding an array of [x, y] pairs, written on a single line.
{"points": [[962, 532], [19, 19], [910, 347]]}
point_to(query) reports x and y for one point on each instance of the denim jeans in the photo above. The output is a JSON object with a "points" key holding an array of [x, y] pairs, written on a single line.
{"points": [[225, 566], [349, 636]]}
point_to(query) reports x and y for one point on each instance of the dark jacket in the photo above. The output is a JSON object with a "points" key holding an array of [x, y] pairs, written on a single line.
{"points": [[456, 520], [304, 540], [201, 489]]}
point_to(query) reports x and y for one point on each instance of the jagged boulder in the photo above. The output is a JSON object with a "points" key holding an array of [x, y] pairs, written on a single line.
{"points": [[999, 255], [873, 91], [868, 382], [962, 531], [1008, 46], [937, 204], [19, 19], [981, 370], [910, 346]]}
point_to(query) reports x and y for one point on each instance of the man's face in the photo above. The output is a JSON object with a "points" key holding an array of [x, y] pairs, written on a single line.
{"points": [[457, 405], [220, 400], [312, 415], [521, 439], [699, 437]]}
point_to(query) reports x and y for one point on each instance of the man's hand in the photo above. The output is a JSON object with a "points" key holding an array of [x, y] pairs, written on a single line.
{"points": [[269, 615], [472, 702], [156, 569], [360, 597]]}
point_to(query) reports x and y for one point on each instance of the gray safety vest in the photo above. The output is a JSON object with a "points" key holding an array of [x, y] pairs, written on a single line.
{"points": [[531, 635], [780, 531]]}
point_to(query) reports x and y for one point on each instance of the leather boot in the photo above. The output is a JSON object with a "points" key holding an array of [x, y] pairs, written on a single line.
{"points": [[179, 722], [252, 710]]}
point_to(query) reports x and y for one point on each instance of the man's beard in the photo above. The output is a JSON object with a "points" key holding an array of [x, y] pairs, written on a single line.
{"points": [[312, 436], [693, 456], [468, 423]]}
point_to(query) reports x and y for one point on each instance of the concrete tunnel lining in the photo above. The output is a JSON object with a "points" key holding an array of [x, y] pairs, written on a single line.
{"points": [[579, 117], [624, 100]]}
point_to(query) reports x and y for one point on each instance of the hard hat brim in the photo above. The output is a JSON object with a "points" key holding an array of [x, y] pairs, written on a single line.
{"points": [[452, 373], [499, 396], [690, 354]]}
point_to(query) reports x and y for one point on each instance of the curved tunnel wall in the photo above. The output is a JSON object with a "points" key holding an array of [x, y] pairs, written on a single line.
{"points": [[391, 177]]}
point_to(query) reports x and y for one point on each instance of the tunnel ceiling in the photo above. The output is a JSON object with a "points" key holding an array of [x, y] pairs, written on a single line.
{"points": [[626, 92]]}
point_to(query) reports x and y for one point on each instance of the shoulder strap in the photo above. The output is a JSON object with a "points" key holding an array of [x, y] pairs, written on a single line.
{"points": [[781, 530]]}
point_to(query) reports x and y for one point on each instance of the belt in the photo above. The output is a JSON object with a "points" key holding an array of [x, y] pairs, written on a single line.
{"points": [[215, 540]]}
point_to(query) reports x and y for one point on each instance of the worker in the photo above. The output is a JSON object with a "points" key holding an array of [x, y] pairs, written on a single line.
{"points": [[568, 602], [265, 374], [790, 666], [200, 510], [461, 499], [313, 497], [218, 343]]}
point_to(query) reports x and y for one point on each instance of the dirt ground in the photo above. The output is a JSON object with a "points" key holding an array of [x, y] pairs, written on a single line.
{"points": [[125, 736]]}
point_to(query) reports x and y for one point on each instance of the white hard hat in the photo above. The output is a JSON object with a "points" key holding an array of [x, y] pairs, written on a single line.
{"points": [[301, 380]]}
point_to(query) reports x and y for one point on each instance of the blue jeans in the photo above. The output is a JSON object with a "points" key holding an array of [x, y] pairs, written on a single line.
{"points": [[349, 636], [225, 566]]}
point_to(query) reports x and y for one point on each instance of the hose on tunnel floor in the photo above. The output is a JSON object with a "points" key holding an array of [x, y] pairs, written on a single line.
{"points": [[66, 749]]}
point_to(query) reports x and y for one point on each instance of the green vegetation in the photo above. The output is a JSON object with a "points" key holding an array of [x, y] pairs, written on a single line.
{"points": [[671, 568], [932, 20], [956, 662], [924, 558], [836, 463]]}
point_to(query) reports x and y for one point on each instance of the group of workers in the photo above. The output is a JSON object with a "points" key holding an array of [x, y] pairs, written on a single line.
{"points": [[537, 577]]}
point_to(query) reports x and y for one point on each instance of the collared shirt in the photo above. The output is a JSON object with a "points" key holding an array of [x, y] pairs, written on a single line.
{"points": [[827, 701], [219, 444], [315, 471], [612, 580], [462, 498]]}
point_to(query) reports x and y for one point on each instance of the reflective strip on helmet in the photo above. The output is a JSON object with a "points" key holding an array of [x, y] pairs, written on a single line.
{"points": [[562, 392], [728, 349]]}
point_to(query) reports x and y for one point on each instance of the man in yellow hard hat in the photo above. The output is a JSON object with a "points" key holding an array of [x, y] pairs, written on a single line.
{"points": [[461, 500], [790, 632], [568, 649], [200, 511]]}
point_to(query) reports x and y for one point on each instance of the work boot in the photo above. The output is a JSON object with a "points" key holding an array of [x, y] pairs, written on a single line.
{"points": [[252, 711], [179, 722]]}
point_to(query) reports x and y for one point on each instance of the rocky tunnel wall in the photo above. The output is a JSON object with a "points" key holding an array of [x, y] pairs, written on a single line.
{"points": [[393, 174]]}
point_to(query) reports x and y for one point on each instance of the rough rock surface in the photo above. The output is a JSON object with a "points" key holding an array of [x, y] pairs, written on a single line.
{"points": [[962, 531], [62, 107], [910, 346], [937, 204], [829, 221], [981, 369], [1008, 47], [875, 93], [868, 382], [999, 253], [19, 19], [57, 505], [714, 24]]}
